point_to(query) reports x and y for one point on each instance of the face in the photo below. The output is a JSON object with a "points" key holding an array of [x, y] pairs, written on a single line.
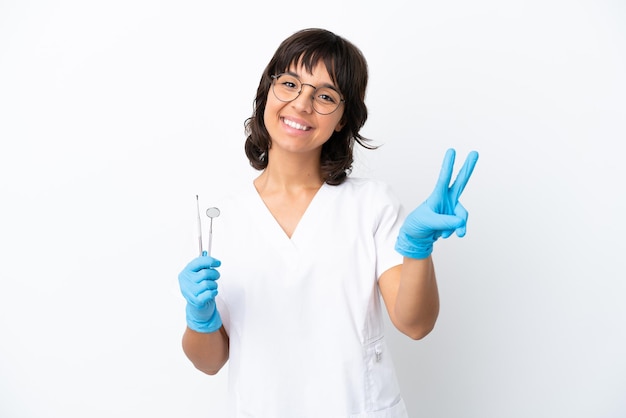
{"points": [[295, 127]]}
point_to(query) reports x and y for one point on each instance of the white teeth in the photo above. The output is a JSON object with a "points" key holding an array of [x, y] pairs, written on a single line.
{"points": [[296, 125]]}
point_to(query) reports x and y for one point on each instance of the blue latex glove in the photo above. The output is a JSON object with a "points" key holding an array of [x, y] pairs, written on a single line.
{"points": [[441, 214], [197, 284]]}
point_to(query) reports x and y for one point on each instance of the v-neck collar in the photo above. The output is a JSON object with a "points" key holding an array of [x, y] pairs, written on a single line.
{"points": [[306, 225]]}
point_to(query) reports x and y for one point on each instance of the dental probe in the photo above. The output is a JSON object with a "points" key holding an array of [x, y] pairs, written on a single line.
{"points": [[199, 226]]}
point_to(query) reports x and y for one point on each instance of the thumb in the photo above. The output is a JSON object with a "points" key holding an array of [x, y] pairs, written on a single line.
{"points": [[439, 222]]}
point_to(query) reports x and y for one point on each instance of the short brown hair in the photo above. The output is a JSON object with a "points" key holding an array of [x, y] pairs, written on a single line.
{"points": [[347, 67]]}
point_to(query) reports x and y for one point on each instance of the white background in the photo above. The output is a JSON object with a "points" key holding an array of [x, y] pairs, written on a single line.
{"points": [[114, 115]]}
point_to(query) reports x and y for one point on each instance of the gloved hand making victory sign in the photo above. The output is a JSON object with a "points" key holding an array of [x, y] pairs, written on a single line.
{"points": [[197, 284], [440, 215]]}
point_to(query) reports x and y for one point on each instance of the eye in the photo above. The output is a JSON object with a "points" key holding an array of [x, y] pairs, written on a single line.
{"points": [[329, 96], [288, 82]]}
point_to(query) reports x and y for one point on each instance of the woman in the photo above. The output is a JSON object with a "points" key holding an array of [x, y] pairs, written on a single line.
{"points": [[307, 251]]}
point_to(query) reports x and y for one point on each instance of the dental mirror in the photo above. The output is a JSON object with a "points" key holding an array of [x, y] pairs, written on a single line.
{"points": [[211, 213]]}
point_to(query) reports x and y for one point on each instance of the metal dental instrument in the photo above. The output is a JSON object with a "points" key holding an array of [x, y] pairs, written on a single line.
{"points": [[199, 226], [211, 213]]}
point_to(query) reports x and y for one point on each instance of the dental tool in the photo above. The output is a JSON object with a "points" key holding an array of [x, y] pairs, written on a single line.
{"points": [[211, 213], [199, 226]]}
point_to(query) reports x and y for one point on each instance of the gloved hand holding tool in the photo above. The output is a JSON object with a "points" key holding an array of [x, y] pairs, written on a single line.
{"points": [[198, 286], [440, 215]]}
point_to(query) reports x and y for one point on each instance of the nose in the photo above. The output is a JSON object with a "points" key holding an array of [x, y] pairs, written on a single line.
{"points": [[304, 101]]}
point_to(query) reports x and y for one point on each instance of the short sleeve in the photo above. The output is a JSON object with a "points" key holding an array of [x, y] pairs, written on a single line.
{"points": [[388, 225], [222, 308]]}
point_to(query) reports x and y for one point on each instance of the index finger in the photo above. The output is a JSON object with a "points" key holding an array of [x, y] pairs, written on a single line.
{"points": [[446, 172], [202, 262], [464, 175]]}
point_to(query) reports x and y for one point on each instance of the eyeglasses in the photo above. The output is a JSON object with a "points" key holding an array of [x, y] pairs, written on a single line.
{"points": [[287, 87]]}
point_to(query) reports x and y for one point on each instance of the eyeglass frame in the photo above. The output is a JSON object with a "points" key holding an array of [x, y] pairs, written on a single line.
{"points": [[275, 77]]}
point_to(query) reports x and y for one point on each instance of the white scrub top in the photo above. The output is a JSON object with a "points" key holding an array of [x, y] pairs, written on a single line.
{"points": [[304, 314]]}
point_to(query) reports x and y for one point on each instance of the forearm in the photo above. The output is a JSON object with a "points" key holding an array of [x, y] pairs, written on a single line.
{"points": [[207, 351], [417, 302]]}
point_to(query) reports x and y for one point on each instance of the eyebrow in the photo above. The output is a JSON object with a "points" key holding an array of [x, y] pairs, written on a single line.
{"points": [[328, 85]]}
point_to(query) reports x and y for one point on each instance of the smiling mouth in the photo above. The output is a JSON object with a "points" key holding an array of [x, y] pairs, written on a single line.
{"points": [[295, 125]]}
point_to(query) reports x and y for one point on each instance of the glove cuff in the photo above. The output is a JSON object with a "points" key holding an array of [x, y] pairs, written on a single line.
{"points": [[412, 248], [211, 325]]}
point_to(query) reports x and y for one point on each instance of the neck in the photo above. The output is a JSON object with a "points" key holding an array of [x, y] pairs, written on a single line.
{"points": [[295, 172]]}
